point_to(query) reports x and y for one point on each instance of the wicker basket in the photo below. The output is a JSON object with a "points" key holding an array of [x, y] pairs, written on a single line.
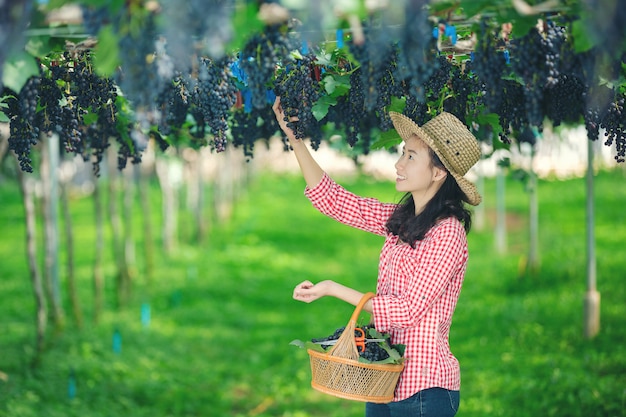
{"points": [[339, 373]]}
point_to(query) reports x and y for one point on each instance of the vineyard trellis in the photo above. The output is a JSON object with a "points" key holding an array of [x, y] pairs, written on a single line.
{"points": [[146, 70], [204, 74]]}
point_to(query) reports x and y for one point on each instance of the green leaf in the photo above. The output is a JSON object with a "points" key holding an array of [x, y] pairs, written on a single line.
{"points": [[106, 52], [324, 59], [522, 25], [3, 117], [38, 46], [397, 104], [90, 118], [297, 342], [245, 22], [582, 39], [387, 140], [337, 85], [309, 345], [475, 7], [320, 108], [18, 69], [375, 334]]}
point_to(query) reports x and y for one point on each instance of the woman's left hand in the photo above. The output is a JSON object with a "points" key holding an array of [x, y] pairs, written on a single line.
{"points": [[308, 292]]}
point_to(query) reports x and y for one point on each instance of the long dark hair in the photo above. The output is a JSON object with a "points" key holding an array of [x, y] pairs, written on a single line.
{"points": [[447, 202]]}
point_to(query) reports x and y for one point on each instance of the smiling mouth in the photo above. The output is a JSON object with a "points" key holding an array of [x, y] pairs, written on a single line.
{"points": [[400, 178]]}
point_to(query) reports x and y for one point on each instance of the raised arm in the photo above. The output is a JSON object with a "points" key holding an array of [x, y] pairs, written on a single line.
{"points": [[311, 170]]}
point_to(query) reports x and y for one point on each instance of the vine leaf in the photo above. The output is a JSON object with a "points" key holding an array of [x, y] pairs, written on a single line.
{"points": [[387, 140], [106, 53], [18, 69], [320, 108]]}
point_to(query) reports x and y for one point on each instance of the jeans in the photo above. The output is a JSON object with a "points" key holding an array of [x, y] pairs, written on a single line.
{"points": [[431, 402]]}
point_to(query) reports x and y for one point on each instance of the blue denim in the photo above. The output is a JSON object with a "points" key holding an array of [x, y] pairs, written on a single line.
{"points": [[431, 402]]}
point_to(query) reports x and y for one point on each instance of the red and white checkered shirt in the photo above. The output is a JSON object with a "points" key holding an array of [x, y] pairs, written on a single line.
{"points": [[417, 289]]}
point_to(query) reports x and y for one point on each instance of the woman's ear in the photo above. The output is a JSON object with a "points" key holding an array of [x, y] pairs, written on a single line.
{"points": [[440, 174]]}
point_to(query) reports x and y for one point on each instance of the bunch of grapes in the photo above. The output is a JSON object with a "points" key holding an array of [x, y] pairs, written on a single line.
{"points": [[50, 97], [489, 64], [173, 104], [260, 55], [299, 89], [416, 109], [564, 99], [248, 127], [511, 110], [373, 352], [90, 117], [416, 61], [62, 89], [24, 123], [212, 96], [377, 58], [614, 124], [535, 58], [464, 98], [138, 77], [355, 107]]}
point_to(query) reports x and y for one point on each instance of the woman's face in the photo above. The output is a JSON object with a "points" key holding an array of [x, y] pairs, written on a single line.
{"points": [[416, 173]]}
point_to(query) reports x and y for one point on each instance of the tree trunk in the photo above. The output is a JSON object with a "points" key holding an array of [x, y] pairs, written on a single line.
{"points": [[196, 194], [41, 313], [98, 273], [534, 261], [592, 297], [479, 212], [224, 187], [129, 241], [116, 230], [166, 172], [146, 221], [500, 229], [49, 171], [69, 243]]}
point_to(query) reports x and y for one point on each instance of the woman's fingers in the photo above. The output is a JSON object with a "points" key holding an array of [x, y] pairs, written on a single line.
{"points": [[304, 291]]}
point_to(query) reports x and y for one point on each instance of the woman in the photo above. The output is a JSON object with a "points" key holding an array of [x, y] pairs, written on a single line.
{"points": [[423, 260]]}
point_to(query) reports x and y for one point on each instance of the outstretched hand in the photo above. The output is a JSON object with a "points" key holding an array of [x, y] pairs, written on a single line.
{"points": [[308, 292], [280, 117]]}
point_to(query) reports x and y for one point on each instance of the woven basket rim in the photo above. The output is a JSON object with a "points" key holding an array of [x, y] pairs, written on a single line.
{"points": [[355, 397], [387, 367]]}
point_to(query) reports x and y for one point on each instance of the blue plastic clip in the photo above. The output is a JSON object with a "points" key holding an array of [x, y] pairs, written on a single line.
{"points": [[339, 38], [117, 342], [145, 314]]}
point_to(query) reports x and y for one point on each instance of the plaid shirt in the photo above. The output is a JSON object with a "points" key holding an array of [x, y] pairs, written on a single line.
{"points": [[417, 289]]}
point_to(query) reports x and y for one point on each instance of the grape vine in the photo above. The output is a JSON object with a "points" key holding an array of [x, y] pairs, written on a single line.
{"points": [[176, 83]]}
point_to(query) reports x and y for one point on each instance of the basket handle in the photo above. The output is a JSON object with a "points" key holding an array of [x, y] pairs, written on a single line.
{"points": [[346, 346], [366, 297]]}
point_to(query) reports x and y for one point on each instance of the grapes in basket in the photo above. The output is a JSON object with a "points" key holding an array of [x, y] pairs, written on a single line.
{"points": [[373, 346]]}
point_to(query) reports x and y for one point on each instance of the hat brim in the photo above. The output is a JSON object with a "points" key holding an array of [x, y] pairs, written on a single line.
{"points": [[407, 128]]}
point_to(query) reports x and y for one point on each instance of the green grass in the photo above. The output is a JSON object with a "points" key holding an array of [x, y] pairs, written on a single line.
{"points": [[222, 315]]}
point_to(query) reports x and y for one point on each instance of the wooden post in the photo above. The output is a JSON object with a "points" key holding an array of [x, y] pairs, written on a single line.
{"points": [[500, 211], [534, 260], [592, 296]]}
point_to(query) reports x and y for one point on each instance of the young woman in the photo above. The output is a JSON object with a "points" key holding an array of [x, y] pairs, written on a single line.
{"points": [[423, 260]]}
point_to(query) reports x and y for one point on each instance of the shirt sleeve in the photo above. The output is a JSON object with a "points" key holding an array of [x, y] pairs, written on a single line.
{"points": [[336, 202], [443, 258]]}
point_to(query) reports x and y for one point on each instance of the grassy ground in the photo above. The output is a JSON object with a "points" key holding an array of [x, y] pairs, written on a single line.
{"points": [[222, 317]]}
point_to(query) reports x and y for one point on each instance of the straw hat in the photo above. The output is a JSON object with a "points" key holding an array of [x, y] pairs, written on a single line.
{"points": [[453, 143]]}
